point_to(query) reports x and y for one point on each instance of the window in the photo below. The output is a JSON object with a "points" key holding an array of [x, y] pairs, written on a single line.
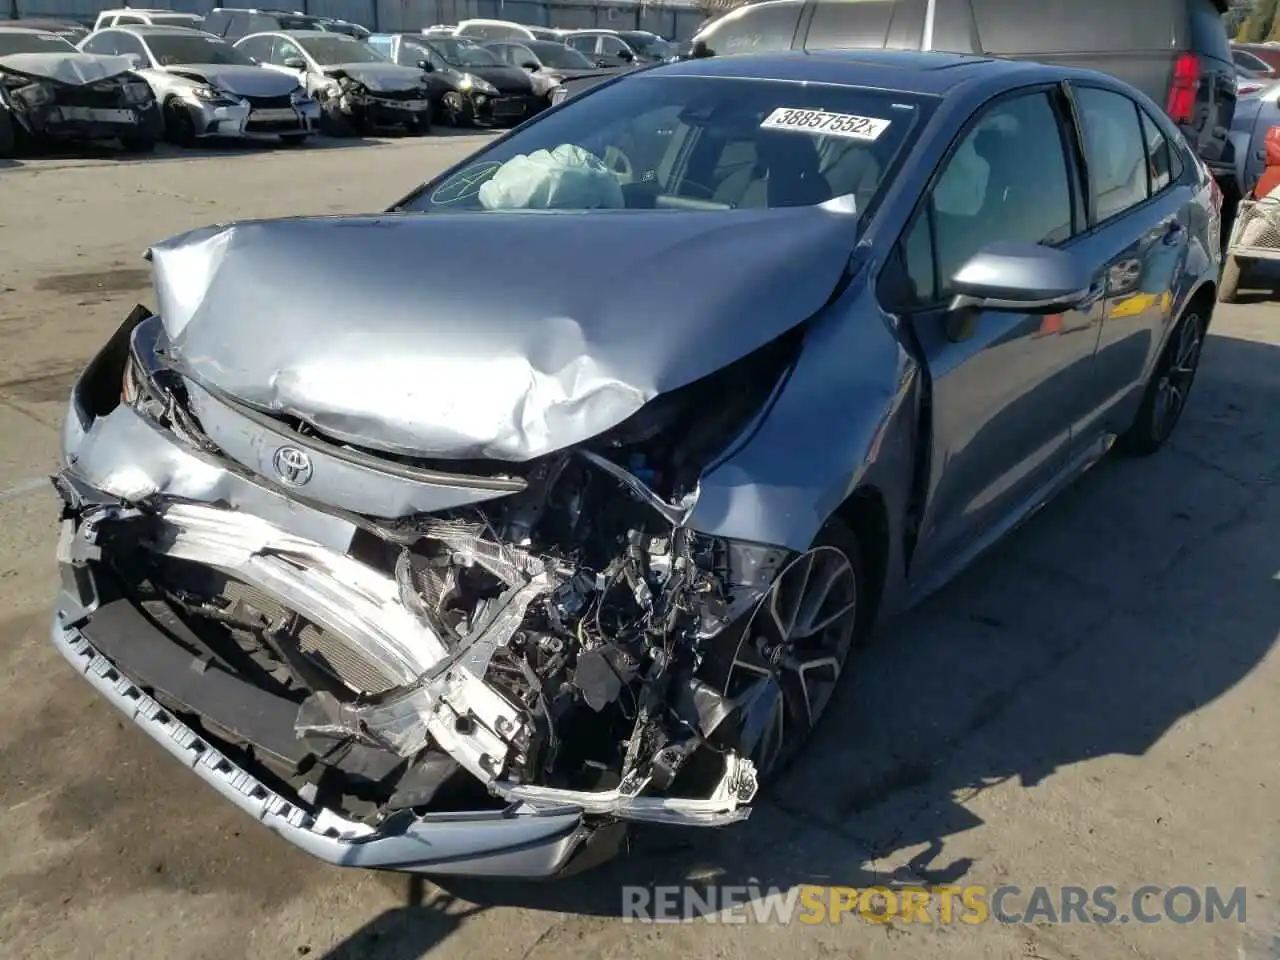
{"points": [[583, 42], [1008, 180], [100, 43], [918, 264], [754, 28], [613, 47], [1070, 26], [242, 23], [258, 48], [1159, 156], [1248, 61], [516, 54], [127, 43], [258, 23], [695, 144], [896, 24], [1114, 147], [282, 49], [125, 19]]}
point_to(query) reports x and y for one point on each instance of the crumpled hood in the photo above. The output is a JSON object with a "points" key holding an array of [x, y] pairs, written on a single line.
{"points": [[74, 69], [245, 81], [380, 77], [501, 335]]}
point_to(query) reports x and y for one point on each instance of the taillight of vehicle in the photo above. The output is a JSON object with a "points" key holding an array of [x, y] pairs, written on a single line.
{"points": [[1182, 95]]}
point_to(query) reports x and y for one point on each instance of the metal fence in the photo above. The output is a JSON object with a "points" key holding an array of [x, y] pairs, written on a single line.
{"points": [[675, 19]]}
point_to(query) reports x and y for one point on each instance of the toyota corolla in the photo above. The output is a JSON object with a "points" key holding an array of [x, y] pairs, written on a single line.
{"points": [[436, 563]]}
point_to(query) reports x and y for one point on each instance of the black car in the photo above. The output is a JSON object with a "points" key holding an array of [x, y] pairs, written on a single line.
{"points": [[547, 58], [50, 92], [469, 83], [232, 24], [1175, 51]]}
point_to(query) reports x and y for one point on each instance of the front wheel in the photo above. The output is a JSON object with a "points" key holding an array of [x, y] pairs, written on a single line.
{"points": [[1229, 286], [784, 665], [420, 125], [457, 111], [179, 128], [1169, 387]]}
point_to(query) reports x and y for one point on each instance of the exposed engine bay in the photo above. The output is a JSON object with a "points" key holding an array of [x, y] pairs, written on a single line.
{"points": [[551, 645]]}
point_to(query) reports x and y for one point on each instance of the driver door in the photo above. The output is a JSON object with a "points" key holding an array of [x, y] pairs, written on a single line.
{"points": [[1006, 387]]}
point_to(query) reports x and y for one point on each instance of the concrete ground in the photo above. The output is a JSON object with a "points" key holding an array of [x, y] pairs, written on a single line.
{"points": [[1096, 703]]}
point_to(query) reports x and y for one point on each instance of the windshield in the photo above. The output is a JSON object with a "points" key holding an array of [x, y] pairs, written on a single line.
{"points": [[33, 43], [176, 20], [169, 49], [335, 49], [559, 57], [690, 143], [463, 53]]}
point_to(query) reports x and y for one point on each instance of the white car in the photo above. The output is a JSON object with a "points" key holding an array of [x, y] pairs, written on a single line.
{"points": [[131, 17], [208, 88], [356, 86]]}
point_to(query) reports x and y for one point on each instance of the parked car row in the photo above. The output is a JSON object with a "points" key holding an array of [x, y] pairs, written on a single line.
{"points": [[138, 78]]}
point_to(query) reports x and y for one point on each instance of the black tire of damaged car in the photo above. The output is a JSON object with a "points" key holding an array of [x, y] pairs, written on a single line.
{"points": [[8, 138], [150, 130]]}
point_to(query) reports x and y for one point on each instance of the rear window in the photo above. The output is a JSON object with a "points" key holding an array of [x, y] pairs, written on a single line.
{"points": [[876, 24], [756, 28], [1079, 26]]}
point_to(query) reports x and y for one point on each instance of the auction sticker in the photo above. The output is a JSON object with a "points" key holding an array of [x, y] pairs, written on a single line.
{"points": [[828, 124]]}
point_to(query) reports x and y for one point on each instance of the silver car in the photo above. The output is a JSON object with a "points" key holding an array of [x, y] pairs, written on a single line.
{"points": [[208, 88], [457, 563], [358, 88]]}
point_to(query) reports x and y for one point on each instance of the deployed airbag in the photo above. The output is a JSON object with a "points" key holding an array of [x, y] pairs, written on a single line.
{"points": [[566, 178]]}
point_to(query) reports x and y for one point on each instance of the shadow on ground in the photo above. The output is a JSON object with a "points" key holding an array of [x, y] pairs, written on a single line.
{"points": [[1144, 593]]}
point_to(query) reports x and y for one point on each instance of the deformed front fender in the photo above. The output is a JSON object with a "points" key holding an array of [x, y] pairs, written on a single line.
{"points": [[846, 417]]}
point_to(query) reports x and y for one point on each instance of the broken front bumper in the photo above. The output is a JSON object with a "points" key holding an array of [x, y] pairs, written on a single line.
{"points": [[247, 120], [216, 509]]}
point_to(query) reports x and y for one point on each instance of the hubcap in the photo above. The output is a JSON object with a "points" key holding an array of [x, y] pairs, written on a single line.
{"points": [[1175, 381], [790, 656]]}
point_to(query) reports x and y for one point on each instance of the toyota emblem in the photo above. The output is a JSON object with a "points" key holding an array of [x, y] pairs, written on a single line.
{"points": [[293, 466]]}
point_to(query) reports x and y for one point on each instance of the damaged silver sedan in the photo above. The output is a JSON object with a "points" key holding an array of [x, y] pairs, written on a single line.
{"points": [[458, 568]]}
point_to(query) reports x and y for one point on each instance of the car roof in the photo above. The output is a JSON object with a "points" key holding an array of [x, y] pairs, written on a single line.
{"points": [[905, 70], [156, 30], [303, 34], [16, 27]]}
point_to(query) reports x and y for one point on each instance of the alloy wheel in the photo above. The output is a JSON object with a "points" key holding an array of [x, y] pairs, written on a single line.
{"points": [[791, 654], [1174, 383]]}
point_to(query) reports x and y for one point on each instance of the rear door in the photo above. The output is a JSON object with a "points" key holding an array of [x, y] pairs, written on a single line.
{"points": [[1140, 228]]}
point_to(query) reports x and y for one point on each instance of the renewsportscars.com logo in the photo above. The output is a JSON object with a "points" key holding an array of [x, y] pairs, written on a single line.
{"points": [[973, 904]]}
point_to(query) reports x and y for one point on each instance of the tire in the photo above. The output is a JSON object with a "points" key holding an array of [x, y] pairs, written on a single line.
{"points": [[456, 110], [1229, 285], [738, 661], [1177, 367], [179, 128], [8, 141], [420, 125]]}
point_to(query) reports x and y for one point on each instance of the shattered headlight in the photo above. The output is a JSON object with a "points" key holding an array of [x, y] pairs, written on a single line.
{"points": [[35, 94], [209, 94], [470, 83]]}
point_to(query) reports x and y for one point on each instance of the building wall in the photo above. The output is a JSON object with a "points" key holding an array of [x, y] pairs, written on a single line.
{"points": [[675, 19]]}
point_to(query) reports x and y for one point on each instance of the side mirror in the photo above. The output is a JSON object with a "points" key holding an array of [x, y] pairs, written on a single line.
{"points": [[626, 55], [602, 62], [1021, 278], [531, 66], [699, 50], [425, 66], [296, 63], [136, 60]]}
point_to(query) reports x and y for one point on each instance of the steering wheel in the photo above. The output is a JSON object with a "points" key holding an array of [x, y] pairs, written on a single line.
{"points": [[619, 164]]}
